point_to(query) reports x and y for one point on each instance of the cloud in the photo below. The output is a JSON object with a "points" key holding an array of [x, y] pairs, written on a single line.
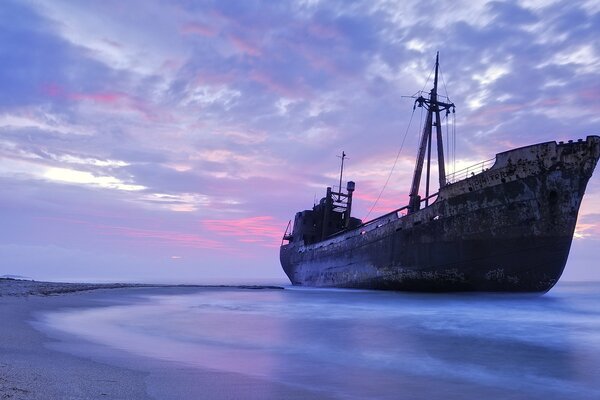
{"points": [[232, 113], [86, 178], [41, 120], [261, 230], [195, 28], [161, 237], [588, 227]]}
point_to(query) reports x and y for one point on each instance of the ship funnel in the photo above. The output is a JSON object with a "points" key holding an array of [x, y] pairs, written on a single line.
{"points": [[350, 189]]}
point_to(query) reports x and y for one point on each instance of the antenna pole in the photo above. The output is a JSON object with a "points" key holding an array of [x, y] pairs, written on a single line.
{"points": [[343, 156]]}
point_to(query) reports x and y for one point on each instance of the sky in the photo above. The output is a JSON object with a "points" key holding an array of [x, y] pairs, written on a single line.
{"points": [[172, 141]]}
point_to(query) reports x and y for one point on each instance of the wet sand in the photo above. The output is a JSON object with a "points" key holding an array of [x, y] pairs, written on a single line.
{"points": [[37, 364]]}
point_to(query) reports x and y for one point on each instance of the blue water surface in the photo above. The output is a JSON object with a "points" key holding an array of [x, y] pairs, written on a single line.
{"points": [[354, 344]]}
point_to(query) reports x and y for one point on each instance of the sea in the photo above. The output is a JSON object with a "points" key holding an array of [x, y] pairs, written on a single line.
{"points": [[355, 344]]}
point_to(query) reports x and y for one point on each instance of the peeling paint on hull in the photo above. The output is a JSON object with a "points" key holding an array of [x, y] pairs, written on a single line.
{"points": [[508, 228]]}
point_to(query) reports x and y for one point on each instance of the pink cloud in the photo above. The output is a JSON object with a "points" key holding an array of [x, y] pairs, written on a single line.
{"points": [[171, 65], [277, 87], [318, 62], [553, 101], [244, 46], [99, 97], [591, 93], [390, 200], [123, 101], [591, 96], [262, 230], [144, 236], [162, 237], [588, 227], [117, 100], [195, 28], [52, 90], [323, 31]]}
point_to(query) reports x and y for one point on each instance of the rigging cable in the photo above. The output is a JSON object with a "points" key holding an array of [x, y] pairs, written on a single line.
{"points": [[447, 99], [453, 125], [454, 141], [421, 123], [447, 144], [427, 81], [444, 83], [393, 167]]}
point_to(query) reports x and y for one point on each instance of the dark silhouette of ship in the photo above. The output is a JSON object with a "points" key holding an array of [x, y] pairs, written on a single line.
{"points": [[505, 228]]}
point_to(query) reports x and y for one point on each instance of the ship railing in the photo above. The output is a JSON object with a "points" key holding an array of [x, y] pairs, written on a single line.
{"points": [[381, 220], [392, 215], [470, 171]]}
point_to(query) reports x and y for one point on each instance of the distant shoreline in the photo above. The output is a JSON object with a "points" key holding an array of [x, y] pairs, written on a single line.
{"points": [[21, 287]]}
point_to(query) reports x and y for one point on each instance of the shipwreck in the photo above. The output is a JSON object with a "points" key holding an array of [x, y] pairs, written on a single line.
{"points": [[506, 225]]}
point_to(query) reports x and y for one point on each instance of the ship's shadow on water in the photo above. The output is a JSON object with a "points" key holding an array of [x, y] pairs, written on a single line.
{"points": [[367, 344]]}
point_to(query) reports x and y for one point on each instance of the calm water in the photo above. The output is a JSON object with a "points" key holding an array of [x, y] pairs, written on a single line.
{"points": [[364, 344]]}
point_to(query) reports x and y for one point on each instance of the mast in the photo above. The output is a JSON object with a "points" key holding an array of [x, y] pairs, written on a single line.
{"points": [[438, 126], [433, 107]]}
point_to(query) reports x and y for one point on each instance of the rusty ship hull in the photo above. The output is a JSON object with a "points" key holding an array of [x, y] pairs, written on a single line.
{"points": [[507, 228]]}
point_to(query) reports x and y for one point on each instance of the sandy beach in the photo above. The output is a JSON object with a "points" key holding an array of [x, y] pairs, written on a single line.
{"points": [[35, 364], [29, 369]]}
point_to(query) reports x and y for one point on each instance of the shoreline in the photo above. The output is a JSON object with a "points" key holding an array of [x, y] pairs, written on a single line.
{"points": [[38, 363], [22, 287], [30, 369]]}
